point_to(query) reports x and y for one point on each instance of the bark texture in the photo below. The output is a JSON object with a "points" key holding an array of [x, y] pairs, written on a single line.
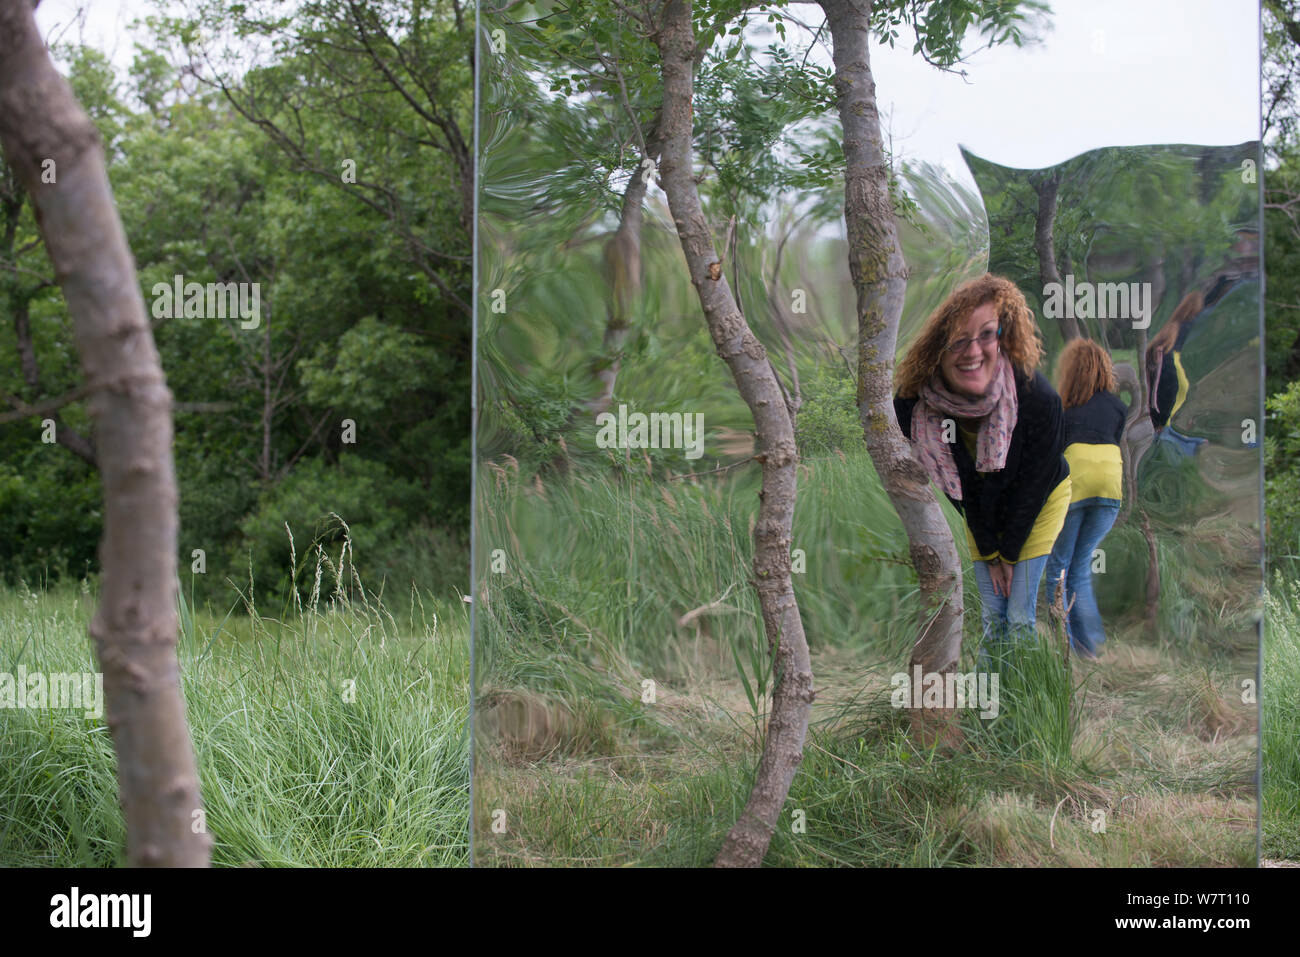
{"points": [[880, 278], [135, 625], [745, 356]]}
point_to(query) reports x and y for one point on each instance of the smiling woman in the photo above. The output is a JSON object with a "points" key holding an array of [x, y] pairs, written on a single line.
{"points": [[987, 427]]}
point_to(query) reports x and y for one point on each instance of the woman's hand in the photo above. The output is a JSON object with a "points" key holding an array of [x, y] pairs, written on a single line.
{"points": [[1002, 573]]}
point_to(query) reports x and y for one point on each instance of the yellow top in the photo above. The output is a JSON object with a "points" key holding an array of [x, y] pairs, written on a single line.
{"points": [[1096, 471], [1048, 525], [1042, 536], [1182, 386]]}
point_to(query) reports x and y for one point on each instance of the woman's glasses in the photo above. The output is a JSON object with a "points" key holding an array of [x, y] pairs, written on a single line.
{"points": [[985, 338]]}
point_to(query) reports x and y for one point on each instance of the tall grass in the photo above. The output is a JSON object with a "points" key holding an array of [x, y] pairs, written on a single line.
{"points": [[606, 580], [1280, 698], [622, 561], [333, 734], [1038, 704]]}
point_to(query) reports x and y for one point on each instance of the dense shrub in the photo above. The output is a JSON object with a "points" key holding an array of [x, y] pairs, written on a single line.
{"points": [[828, 419], [317, 501], [1282, 472]]}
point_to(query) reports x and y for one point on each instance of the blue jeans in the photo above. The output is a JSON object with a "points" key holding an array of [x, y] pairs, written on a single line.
{"points": [[1086, 524], [1185, 444], [1010, 619]]}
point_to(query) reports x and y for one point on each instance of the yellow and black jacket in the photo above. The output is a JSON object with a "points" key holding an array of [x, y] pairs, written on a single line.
{"points": [[1093, 432], [1002, 508], [1166, 374], [1170, 391]]}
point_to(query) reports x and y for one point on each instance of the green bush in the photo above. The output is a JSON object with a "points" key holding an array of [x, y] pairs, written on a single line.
{"points": [[317, 501], [828, 418], [1282, 472], [50, 517]]}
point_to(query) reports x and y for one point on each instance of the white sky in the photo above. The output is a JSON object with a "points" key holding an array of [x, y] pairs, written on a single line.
{"points": [[1110, 73], [104, 25]]}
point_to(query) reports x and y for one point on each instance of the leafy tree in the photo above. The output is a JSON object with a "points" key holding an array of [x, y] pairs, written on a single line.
{"points": [[1282, 472], [206, 194]]}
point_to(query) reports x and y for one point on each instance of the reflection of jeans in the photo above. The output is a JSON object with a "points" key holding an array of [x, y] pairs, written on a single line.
{"points": [[1185, 444], [1086, 524], [1010, 618]]}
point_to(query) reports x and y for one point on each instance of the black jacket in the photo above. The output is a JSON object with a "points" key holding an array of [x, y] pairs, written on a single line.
{"points": [[1099, 421], [1000, 507], [1165, 393]]}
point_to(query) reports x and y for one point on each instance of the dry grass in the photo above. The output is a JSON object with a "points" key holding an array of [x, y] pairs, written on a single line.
{"points": [[1166, 775], [1110, 830]]}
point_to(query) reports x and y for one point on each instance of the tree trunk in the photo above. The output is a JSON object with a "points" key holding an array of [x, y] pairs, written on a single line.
{"points": [[792, 697], [623, 270], [1139, 430], [1137, 433], [1152, 611], [879, 276], [1045, 246], [135, 625]]}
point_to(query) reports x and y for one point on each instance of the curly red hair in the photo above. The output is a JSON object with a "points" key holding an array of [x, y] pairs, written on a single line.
{"points": [[1084, 371], [1020, 338]]}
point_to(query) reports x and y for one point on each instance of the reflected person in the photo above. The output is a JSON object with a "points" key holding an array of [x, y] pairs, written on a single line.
{"points": [[1094, 427], [1168, 382]]}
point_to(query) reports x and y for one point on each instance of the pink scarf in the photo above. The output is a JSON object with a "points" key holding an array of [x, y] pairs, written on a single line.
{"points": [[996, 409]]}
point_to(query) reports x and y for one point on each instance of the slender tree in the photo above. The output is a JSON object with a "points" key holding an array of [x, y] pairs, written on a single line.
{"points": [[623, 271], [55, 151], [756, 380], [879, 277], [415, 60]]}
